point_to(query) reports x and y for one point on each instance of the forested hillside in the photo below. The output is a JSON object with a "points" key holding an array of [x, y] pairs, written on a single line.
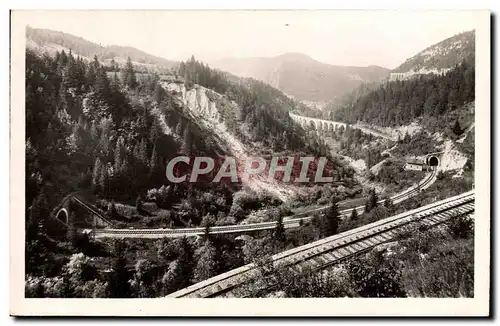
{"points": [[86, 131], [399, 102], [443, 55], [263, 109], [46, 40]]}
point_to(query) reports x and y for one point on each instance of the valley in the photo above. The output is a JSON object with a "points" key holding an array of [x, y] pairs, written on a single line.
{"points": [[146, 177]]}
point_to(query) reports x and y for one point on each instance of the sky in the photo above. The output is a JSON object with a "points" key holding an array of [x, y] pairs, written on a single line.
{"points": [[355, 38]]}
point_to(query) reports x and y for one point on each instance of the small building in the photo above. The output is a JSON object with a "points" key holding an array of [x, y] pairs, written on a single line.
{"points": [[415, 165]]}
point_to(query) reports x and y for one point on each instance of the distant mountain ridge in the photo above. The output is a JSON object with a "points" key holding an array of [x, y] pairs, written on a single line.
{"points": [[302, 77], [49, 41], [442, 55]]}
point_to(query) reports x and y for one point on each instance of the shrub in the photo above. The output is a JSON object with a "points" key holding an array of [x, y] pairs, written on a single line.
{"points": [[461, 226]]}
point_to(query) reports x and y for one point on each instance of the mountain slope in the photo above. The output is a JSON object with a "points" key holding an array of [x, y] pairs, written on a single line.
{"points": [[443, 55], [301, 76], [45, 40], [400, 102]]}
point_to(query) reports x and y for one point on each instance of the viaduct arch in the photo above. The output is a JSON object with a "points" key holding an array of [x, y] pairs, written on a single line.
{"points": [[318, 124], [63, 216], [329, 125]]}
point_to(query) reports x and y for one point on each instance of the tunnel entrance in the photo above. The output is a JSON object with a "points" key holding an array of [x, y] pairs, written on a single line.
{"points": [[433, 161]]}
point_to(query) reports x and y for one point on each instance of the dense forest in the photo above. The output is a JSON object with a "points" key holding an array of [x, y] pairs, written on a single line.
{"points": [[399, 102], [84, 130], [42, 37], [263, 109]]}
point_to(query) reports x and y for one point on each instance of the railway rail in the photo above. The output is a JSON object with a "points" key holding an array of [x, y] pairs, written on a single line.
{"points": [[325, 252], [288, 222]]}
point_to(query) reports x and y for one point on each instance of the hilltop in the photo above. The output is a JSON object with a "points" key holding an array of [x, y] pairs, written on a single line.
{"points": [[443, 55], [302, 77], [49, 41]]}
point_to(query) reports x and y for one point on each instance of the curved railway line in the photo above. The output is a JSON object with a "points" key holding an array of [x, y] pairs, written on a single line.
{"points": [[325, 252], [288, 222]]}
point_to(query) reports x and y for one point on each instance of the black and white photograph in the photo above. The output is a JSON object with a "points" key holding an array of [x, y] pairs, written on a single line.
{"points": [[228, 154]]}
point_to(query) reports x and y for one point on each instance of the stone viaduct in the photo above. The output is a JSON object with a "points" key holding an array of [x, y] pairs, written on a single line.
{"points": [[329, 125]]}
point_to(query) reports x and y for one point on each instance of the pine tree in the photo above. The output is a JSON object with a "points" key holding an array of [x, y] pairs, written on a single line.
{"points": [[104, 144], [112, 212], [39, 212], [138, 204], [185, 261], [96, 174], [388, 203], [153, 164], [119, 153], [372, 200], [128, 75], [332, 219], [94, 134], [119, 286], [354, 215], [159, 93], [115, 82], [206, 266], [114, 65], [101, 85], [279, 231], [155, 132], [72, 229], [207, 223], [187, 146], [143, 153], [457, 130], [178, 128], [92, 71], [103, 180]]}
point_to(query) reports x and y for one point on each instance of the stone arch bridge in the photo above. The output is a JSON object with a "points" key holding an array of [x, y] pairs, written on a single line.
{"points": [[75, 213], [318, 124], [330, 125]]}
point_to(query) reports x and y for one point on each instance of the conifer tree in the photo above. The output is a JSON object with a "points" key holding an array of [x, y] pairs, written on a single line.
{"points": [[128, 75], [101, 84], [178, 128], [457, 130], [188, 141], [96, 174], [332, 219], [354, 215], [279, 231], [119, 286], [153, 164], [372, 200], [185, 261], [159, 93], [103, 180], [206, 266], [119, 154]]}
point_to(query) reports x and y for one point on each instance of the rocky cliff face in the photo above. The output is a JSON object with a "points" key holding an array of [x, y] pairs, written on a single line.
{"points": [[200, 100], [452, 159], [208, 108]]}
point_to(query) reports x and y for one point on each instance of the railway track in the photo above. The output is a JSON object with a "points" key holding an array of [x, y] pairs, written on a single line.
{"points": [[325, 252], [290, 222]]}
